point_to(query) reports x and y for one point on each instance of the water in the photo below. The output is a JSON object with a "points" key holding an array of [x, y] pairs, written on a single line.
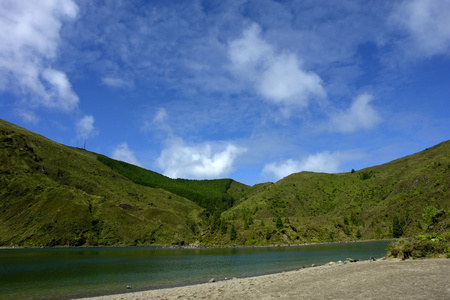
{"points": [[75, 272]]}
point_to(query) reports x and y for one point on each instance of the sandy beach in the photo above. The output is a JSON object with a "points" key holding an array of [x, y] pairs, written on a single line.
{"points": [[382, 279]]}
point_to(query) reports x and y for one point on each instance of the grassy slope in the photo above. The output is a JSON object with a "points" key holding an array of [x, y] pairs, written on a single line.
{"points": [[210, 194], [52, 194], [328, 207]]}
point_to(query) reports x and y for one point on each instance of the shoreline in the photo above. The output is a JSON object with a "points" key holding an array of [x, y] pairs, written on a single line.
{"points": [[202, 247], [380, 279]]}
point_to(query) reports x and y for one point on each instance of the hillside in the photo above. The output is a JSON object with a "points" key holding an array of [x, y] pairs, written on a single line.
{"points": [[51, 194], [378, 202]]}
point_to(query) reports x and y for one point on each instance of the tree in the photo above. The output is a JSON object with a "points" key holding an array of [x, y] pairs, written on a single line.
{"points": [[354, 218], [397, 227], [358, 234], [279, 222], [223, 227], [430, 216], [233, 233]]}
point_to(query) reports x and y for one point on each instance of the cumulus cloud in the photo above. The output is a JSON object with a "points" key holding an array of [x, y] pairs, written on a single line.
{"points": [[427, 24], [324, 162], [360, 115], [29, 42], [276, 76], [206, 160], [122, 152], [85, 127]]}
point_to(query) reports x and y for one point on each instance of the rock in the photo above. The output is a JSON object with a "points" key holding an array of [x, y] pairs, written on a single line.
{"points": [[128, 287], [331, 263], [212, 280], [313, 265], [352, 260], [372, 258], [340, 262]]}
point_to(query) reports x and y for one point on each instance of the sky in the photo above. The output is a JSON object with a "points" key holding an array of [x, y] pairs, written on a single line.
{"points": [[248, 90]]}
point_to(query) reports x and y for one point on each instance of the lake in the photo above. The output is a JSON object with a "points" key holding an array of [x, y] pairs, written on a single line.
{"points": [[63, 273]]}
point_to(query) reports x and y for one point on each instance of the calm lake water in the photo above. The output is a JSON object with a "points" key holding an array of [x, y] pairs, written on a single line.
{"points": [[75, 272]]}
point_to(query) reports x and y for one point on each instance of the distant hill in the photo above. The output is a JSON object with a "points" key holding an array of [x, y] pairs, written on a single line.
{"points": [[55, 195]]}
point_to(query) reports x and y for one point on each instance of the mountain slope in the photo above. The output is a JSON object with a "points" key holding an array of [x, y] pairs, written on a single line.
{"points": [[315, 206], [51, 194]]}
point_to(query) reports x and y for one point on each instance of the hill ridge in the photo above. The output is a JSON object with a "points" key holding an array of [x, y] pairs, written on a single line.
{"points": [[55, 195]]}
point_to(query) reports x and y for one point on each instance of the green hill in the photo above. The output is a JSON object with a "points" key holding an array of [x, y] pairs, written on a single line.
{"points": [[378, 202], [51, 194]]}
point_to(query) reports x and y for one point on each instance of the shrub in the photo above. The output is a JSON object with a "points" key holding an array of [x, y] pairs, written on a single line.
{"points": [[419, 247]]}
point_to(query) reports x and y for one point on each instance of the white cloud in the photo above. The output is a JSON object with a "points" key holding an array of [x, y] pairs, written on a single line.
{"points": [[427, 23], [116, 82], [29, 43], [59, 93], [85, 128], [360, 115], [122, 152], [324, 162], [278, 77], [206, 160]]}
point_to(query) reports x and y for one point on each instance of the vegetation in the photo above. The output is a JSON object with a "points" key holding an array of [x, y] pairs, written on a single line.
{"points": [[421, 246], [209, 194], [54, 195]]}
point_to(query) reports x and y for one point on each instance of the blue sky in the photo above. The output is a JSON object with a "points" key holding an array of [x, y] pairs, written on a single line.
{"points": [[249, 90]]}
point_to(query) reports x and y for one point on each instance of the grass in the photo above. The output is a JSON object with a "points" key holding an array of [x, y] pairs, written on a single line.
{"points": [[210, 194], [51, 194]]}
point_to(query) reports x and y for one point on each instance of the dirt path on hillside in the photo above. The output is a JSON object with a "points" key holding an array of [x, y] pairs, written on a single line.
{"points": [[384, 279]]}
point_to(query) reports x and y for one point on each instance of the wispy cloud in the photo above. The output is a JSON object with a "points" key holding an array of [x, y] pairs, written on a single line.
{"points": [[276, 75], [320, 162], [116, 82], [122, 152], [360, 115], [27, 116], [426, 22], [29, 43]]}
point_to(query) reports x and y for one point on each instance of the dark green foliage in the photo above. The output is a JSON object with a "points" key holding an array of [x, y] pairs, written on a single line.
{"points": [[366, 175], [223, 227], [346, 222], [209, 194], [354, 219], [233, 233], [358, 234], [278, 223], [397, 227]]}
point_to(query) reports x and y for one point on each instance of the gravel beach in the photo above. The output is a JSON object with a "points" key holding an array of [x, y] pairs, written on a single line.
{"points": [[382, 279]]}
